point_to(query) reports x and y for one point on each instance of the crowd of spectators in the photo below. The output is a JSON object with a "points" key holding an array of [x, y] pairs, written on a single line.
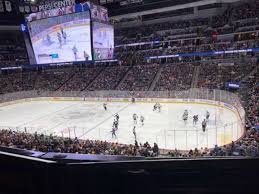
{"points": [[247, 146], [109, 78], [250, 97], [12, 49], [138, 53], [5, 85], [193, 35], [45, 143], [53, 79], [229, 21], [22, 81], [214, 76], [81, 79], [175, 77], [139, 78]]}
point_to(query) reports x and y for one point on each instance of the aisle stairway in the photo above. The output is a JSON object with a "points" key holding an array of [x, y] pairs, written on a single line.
{"points": [[96, 77], [195, 77], [157, 76], [124, 77]]}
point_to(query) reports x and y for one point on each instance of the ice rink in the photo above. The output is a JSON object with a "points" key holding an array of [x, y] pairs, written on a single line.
{"points": [[89, 120]]}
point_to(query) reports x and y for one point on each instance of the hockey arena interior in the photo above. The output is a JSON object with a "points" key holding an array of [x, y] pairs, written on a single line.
{"points": [[132, 90]]}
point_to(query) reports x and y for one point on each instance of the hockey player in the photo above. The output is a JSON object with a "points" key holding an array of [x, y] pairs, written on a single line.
{"points": [[185, 116], [195, 119], [61, 30], [159, 107], [59, 40], [105, 106], [207, 115], [114, 132], [86, 56], [74, 49], [48, 39], [117, 117], [155, 107], [115, 124], [97, 54], [134, 133], [142, 120], [204, 124], [135, 117], [64, 35]]}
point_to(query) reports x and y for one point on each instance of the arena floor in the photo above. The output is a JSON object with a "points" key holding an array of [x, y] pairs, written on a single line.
{"points": [[89, 120]]}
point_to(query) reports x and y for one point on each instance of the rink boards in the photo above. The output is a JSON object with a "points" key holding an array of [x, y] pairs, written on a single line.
{"points": [[239, 111]]}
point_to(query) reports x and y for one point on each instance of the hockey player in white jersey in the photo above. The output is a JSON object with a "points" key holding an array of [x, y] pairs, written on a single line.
{"points": [[159, 107], [74, 49], [48, 39], [185, 116], [114, 132]]}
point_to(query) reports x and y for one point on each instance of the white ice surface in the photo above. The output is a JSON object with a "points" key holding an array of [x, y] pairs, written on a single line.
{"points": [[88, 120]]}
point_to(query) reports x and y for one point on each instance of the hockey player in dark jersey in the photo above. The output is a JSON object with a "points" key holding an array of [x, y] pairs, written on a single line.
{"points": [[59, 40], [64, 35], [195, 119], [61, 30], [142, 120], [117, 117], [155, 107], [134, 133], [207, 115], [135, 117], [204, 125], [105, 106]]}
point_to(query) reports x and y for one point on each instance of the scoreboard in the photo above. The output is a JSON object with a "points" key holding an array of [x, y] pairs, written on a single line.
{"points": [[74, 33]]}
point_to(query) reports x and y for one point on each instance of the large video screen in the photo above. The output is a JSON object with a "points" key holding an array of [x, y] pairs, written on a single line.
{"points": [[61, 39], [103, 41]]}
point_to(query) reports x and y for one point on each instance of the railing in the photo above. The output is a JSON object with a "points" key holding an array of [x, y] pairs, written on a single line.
{"points": [[217, 134]]}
